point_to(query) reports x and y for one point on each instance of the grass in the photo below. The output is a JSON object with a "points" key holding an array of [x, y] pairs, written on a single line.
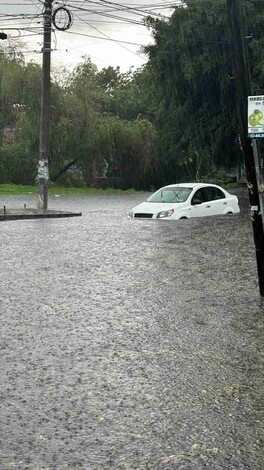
{"points": [[8, 189], [17, 189]]}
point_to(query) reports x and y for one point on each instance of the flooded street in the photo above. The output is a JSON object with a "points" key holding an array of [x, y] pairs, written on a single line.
{"points": [[129, 344]]}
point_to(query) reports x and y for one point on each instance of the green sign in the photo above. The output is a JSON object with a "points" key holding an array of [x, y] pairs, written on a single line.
{"points": [[255, 117]]}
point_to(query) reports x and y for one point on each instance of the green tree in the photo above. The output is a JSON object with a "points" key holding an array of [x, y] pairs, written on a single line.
{"points": [[193, 91], [121, 93], [20, 98], [127, 150], [89, 130]]}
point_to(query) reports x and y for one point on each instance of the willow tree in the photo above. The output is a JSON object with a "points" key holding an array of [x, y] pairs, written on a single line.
{"points": [[193, 88], [98, 127], [96, 121], [122, 93], [19, 115], [127, 151]]}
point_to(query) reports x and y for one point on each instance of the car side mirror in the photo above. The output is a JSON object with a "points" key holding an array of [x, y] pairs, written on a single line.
{"points": [[196, 202]]}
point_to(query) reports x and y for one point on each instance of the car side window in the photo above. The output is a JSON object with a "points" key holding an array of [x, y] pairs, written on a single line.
{"points": [[215, 193], [200, 196]]}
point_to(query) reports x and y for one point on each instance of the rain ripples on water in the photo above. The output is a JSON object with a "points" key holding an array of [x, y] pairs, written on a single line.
{"points": [[130, 344]]}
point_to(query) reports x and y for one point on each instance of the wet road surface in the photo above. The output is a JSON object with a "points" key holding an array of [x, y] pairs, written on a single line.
{"points": [[129, 344]]}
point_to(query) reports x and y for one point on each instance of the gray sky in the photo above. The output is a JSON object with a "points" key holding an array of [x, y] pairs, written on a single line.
{"points": [[106, 20]]}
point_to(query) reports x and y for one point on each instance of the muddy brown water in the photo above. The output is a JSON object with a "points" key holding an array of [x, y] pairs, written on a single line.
{"points": [[129, 344]]}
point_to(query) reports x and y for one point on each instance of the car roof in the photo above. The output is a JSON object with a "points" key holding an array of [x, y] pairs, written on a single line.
{"points": [[189, 185]]}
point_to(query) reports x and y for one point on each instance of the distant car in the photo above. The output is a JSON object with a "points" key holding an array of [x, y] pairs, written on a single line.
{"points": [[186, 200]]}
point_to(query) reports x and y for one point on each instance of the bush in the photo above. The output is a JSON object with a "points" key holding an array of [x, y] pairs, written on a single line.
{"points": [[17, 165]]}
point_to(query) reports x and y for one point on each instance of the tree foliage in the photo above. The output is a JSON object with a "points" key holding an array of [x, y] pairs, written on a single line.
{"points": [[173, 119], [196, 110]]}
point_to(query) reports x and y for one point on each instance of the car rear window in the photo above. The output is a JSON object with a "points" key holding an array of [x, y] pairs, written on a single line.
{"points": [[215, 193]]}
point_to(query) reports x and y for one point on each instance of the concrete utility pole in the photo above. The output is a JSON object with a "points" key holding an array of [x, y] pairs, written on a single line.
{"points": [[43, 169], [243, 90]]}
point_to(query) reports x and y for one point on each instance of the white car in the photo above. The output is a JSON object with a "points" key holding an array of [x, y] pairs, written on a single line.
{"points": [[186, 200]]}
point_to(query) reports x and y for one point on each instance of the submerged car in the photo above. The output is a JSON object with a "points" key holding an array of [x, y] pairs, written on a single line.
{"points": [[186, 200]]}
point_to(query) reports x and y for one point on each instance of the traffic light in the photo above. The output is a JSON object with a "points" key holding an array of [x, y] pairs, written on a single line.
{"points": [[3, 36]]}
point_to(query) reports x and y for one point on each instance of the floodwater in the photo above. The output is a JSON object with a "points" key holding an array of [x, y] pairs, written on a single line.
{"points": [[129, 344]]}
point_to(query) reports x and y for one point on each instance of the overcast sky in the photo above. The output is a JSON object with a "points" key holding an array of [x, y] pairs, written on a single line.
{"points": [[106, 20]]}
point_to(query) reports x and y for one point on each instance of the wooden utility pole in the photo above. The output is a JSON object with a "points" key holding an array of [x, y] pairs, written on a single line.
{"points": [[43, 169], [243, 90]]}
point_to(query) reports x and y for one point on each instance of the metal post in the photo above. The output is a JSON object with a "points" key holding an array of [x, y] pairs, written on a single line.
{"points": [[243, 90], [259, 174], [43, 169]]}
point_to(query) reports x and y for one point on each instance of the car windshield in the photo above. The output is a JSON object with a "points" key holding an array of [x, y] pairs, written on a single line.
{"points": [[171, 194]]}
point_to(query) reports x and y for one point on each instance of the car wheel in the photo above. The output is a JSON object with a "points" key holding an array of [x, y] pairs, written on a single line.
{"points": [[181, 218]]}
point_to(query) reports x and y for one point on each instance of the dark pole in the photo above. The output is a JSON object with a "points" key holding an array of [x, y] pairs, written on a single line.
{"points": [[243, 90], [43, 169]]}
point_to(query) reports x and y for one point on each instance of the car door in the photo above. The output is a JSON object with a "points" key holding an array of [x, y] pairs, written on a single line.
{"points": [[199, 203], [216, 200]]}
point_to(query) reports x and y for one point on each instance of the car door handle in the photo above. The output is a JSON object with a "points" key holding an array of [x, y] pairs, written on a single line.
{"points": [[225, 203], [207, 207]]}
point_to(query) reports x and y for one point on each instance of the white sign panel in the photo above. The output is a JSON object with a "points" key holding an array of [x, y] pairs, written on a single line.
{"points": [[255, 117]]}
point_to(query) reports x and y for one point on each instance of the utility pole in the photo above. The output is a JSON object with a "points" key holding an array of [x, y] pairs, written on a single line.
{"points": [[43, 169], [243, 90]]}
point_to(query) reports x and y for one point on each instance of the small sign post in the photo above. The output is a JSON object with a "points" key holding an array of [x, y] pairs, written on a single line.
{"points": [[255, 117], [255, 132]]}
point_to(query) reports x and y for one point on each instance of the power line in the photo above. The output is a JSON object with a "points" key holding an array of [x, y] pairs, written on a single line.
{"points": [[104, 39], [117, 13], [112, 6], [120, 44]]}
